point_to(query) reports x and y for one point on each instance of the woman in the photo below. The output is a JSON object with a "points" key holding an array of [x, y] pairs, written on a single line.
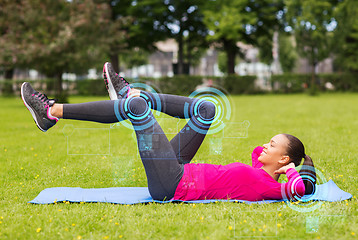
{"points": [[169, 172]]}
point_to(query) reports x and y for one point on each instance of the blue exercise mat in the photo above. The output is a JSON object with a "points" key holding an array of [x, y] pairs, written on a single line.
{"points": [[328, 191]]}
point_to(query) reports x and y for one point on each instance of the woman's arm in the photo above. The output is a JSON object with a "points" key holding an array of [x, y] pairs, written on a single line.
{"points": [[255, 155], [294, 189]]}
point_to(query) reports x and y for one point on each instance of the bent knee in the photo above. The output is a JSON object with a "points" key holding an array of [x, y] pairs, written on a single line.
{"points": [[207, 109], [137, 105], [160, 195]]}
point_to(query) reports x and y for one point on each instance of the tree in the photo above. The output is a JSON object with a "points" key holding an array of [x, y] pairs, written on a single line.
{"points": [[312, 22], [232, 21], [136, 57], [134, 24], [181, 20], [52, 36], [62, 36], [187, 16], [288, 54], [346, 36], [13, 45]]}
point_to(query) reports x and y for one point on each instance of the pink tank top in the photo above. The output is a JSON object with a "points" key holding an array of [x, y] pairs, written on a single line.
{"points": [[236, 181]]}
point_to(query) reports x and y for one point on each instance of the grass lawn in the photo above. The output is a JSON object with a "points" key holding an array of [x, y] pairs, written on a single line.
{"points": [[31, 161]]}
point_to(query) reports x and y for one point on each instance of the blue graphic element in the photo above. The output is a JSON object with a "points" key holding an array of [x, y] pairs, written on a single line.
{"points": [[148, 88], [222, 106], [312, 224], [307, 202], [144, 121], [145, 142]]}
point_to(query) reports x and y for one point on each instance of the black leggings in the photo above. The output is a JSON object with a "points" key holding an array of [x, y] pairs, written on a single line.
{"points": [[163, 160]]}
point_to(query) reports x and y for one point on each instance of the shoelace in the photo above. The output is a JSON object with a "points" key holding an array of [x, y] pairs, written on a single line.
{"points": [[126, 83], [122, 79], [43, 98]]}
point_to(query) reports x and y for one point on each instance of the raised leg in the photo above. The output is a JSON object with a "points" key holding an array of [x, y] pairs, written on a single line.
{"points": [[160, 162], [201, 113]]}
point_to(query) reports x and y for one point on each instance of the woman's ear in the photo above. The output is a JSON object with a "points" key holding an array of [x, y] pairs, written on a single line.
{"points": [[284, 160]]}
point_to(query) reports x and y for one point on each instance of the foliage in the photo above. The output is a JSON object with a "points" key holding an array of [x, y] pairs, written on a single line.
{"points": [[151, 21], [222, 62], [184, 19], [346, 36], [293, 83], [312, 24], [56, 36], [232, 21], [290, 82], [136, 57], [13, 46], [311, 21], [179, 85], [235, 84], [91, 88], [265, 49], [133, 26], [345, 81], [287, 52]]}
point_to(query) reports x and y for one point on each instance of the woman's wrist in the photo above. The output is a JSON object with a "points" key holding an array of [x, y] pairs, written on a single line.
{"points": [[289, 166]]}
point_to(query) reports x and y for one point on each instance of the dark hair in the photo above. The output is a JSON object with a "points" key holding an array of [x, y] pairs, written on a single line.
{"points": [[296, 151]]}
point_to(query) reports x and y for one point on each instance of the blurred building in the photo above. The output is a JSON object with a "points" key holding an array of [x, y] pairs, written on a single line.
{"points": [[161, 63]]}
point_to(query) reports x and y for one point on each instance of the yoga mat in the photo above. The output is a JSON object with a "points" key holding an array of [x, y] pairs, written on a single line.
{"points": [[328, 191]]}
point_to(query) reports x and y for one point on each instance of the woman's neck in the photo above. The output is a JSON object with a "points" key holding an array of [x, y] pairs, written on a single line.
{"points": [[270, 170]]}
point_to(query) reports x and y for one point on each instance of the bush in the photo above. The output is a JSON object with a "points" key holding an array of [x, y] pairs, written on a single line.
{"points": [[341, 81], [235, 84], [6, 87], [179, 85], [184, 85], [91, 87], [290, 82]]}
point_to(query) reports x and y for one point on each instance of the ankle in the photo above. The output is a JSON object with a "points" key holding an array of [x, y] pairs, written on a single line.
{"points": [[57, 110], [134, 92]]}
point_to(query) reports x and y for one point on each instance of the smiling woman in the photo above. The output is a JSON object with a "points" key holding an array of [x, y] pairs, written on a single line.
{"points": [[169, 172], [285, 151]]}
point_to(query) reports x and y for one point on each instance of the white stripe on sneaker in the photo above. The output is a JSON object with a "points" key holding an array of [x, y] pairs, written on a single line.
{"points": [[112, 92], [30, 109]]}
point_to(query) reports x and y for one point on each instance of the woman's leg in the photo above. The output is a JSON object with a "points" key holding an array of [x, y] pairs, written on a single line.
{"points": [[160, 162], [188, 140], [201, 113], [185, 144]]}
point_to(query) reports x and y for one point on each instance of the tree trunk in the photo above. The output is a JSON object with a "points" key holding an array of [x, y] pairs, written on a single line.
{"points": [[7, 90], [60, 95], [188, 56], [9, 73], [313, 87], [180, 54], [115, 62], [230, 49]]}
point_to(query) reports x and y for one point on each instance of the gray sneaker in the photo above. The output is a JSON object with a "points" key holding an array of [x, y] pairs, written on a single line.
{"points": [[117, 86], [38, 104]]}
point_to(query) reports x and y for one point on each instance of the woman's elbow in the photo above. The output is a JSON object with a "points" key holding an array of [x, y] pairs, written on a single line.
{"points": [[300, 189]]}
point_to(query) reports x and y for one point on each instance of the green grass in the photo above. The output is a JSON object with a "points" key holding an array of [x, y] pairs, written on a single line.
{"points": [[31, 161]]}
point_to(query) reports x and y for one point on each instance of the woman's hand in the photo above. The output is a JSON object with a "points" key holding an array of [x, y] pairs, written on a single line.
{"points": [[285, 168]]}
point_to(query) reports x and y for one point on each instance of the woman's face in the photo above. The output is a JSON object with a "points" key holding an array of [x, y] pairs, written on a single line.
{"points": [[275, 150]]}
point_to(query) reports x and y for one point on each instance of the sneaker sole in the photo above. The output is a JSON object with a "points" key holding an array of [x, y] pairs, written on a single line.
{"points": [[112, 92], [30, 109]]}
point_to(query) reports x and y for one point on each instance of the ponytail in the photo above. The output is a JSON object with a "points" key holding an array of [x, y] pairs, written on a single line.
{"points": [[296, 151], [308, 175]]}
